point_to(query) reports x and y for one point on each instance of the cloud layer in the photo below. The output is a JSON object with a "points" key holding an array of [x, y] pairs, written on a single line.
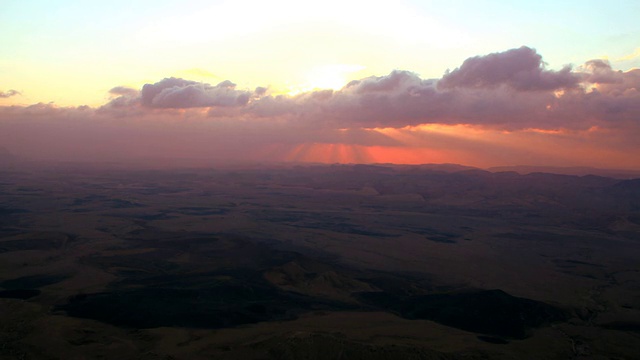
{"points": [[9, 93], [509, 92], [521, 69], [180, 93]]}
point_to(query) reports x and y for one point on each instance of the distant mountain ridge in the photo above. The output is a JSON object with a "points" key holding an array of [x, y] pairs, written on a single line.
{"points": [[572, 170], [7, 157], [516, 169]]}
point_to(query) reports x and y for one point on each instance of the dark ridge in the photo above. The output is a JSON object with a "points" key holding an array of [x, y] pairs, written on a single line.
{"points": [[492, 312], [441, 239], [144, 216], [22, 294], [435, 235], [32, 282], [201, 211], [218, 306], [4, 211], [582, 263], [346, 228], [158, 292], [493, 339], [623, 326], [573, 170], [631, 186], [30, 244], [123, 204]]}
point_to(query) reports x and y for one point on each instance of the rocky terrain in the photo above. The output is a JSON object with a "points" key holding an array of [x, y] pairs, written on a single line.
{"points": [[317, 262]]}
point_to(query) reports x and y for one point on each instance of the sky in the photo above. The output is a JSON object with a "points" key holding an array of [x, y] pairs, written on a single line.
{"points": [[481, 83]]}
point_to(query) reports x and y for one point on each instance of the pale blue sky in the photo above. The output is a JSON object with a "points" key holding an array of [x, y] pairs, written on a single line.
{"points": [[73, 52]]}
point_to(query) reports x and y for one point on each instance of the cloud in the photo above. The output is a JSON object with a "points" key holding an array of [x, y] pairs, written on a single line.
{"points": [[396, 80], [179, 94], [509, 90], [508, 96], [123, 91], [403, 99], [599, 71], [123, 99], [608, 81], [521, 69], [9, 93]]}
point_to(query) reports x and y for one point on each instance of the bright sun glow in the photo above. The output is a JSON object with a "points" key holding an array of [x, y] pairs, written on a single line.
{"points": [[330, 76]]}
